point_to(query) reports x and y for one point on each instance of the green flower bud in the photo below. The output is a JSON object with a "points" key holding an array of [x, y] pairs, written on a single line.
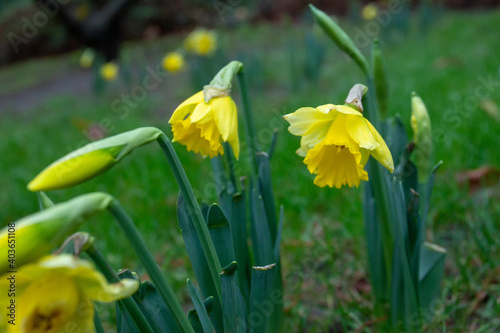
{"points": [[421, 125]]}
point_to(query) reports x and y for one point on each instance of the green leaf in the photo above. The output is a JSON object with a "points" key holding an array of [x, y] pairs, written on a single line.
{"points": [[432, 260], [376, 263], [232, 301], [220, 231], [266, 190], [151, 304], [261, 236], [343, 41], [206, 324], [193, 315], [198, 261], [262, 298], [44, 201]]}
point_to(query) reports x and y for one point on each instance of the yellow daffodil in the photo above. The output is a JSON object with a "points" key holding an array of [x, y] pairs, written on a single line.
{"points": [[173, 62], [109, 71], [91, 160], [202, 126], [201, 42], [35, 235], [336, 143], [369, 12], [56, 294]]}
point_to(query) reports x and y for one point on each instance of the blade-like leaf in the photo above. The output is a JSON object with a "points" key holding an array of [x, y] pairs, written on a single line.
{"points": [[262, 298], [198, 261], [232, 301], [206, 324]]}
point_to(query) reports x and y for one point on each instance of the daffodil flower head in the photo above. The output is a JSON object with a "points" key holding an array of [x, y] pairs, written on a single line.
{"points": [[201, 42], [56, 294], [174, 62], [336, 143], [209, 117], [109, 71]]}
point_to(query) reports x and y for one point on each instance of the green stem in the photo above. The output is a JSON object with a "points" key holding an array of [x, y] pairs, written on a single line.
{"points": [[252, 144], [194, 211], [128, 303], [379, 187], [149, 262], [230, 166]]}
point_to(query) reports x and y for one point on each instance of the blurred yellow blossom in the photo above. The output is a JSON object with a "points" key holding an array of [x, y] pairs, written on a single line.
{"points": [[173, 62], [55, 294], [201, 42], [369, 12], [109, 71]]}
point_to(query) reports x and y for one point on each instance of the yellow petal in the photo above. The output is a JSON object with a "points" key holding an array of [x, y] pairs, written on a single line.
{"points": [[382, 153], [360, 132], [347, 110], [306, 120], [235, 144], [74, 169], [335, 166], [202, 112], [226, 117], [186, 107]]}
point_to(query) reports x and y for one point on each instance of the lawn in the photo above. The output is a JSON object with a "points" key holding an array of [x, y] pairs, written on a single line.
{"points": [[324, 260]]}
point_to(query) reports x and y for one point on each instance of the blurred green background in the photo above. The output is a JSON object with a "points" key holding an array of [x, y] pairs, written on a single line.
{"points": [[449, 57]]}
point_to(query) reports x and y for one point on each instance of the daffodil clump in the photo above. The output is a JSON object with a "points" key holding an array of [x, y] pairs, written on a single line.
{"points": [[336, 143], [202, 42], [174, 62], [56, 294]]}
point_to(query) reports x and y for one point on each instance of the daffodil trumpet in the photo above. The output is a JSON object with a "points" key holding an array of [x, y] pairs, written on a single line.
{"points": [[57, 292]]}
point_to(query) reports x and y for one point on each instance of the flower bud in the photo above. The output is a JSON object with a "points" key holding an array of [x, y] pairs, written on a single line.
{"points": [[421, 126]]}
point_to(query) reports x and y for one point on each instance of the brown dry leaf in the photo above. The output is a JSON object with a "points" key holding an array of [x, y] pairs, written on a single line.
{"points": [[486, 175]]}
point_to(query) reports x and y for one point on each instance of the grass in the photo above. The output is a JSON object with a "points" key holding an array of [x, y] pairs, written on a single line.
{"points": [[323, 241]]}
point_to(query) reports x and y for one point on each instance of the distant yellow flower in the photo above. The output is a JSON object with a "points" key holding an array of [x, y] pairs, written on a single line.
{"points": [[109, 71], [173, 62], [336, 143], [201, 126], [369, 12], [87, 58], [55, 294], [201, 41]]}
